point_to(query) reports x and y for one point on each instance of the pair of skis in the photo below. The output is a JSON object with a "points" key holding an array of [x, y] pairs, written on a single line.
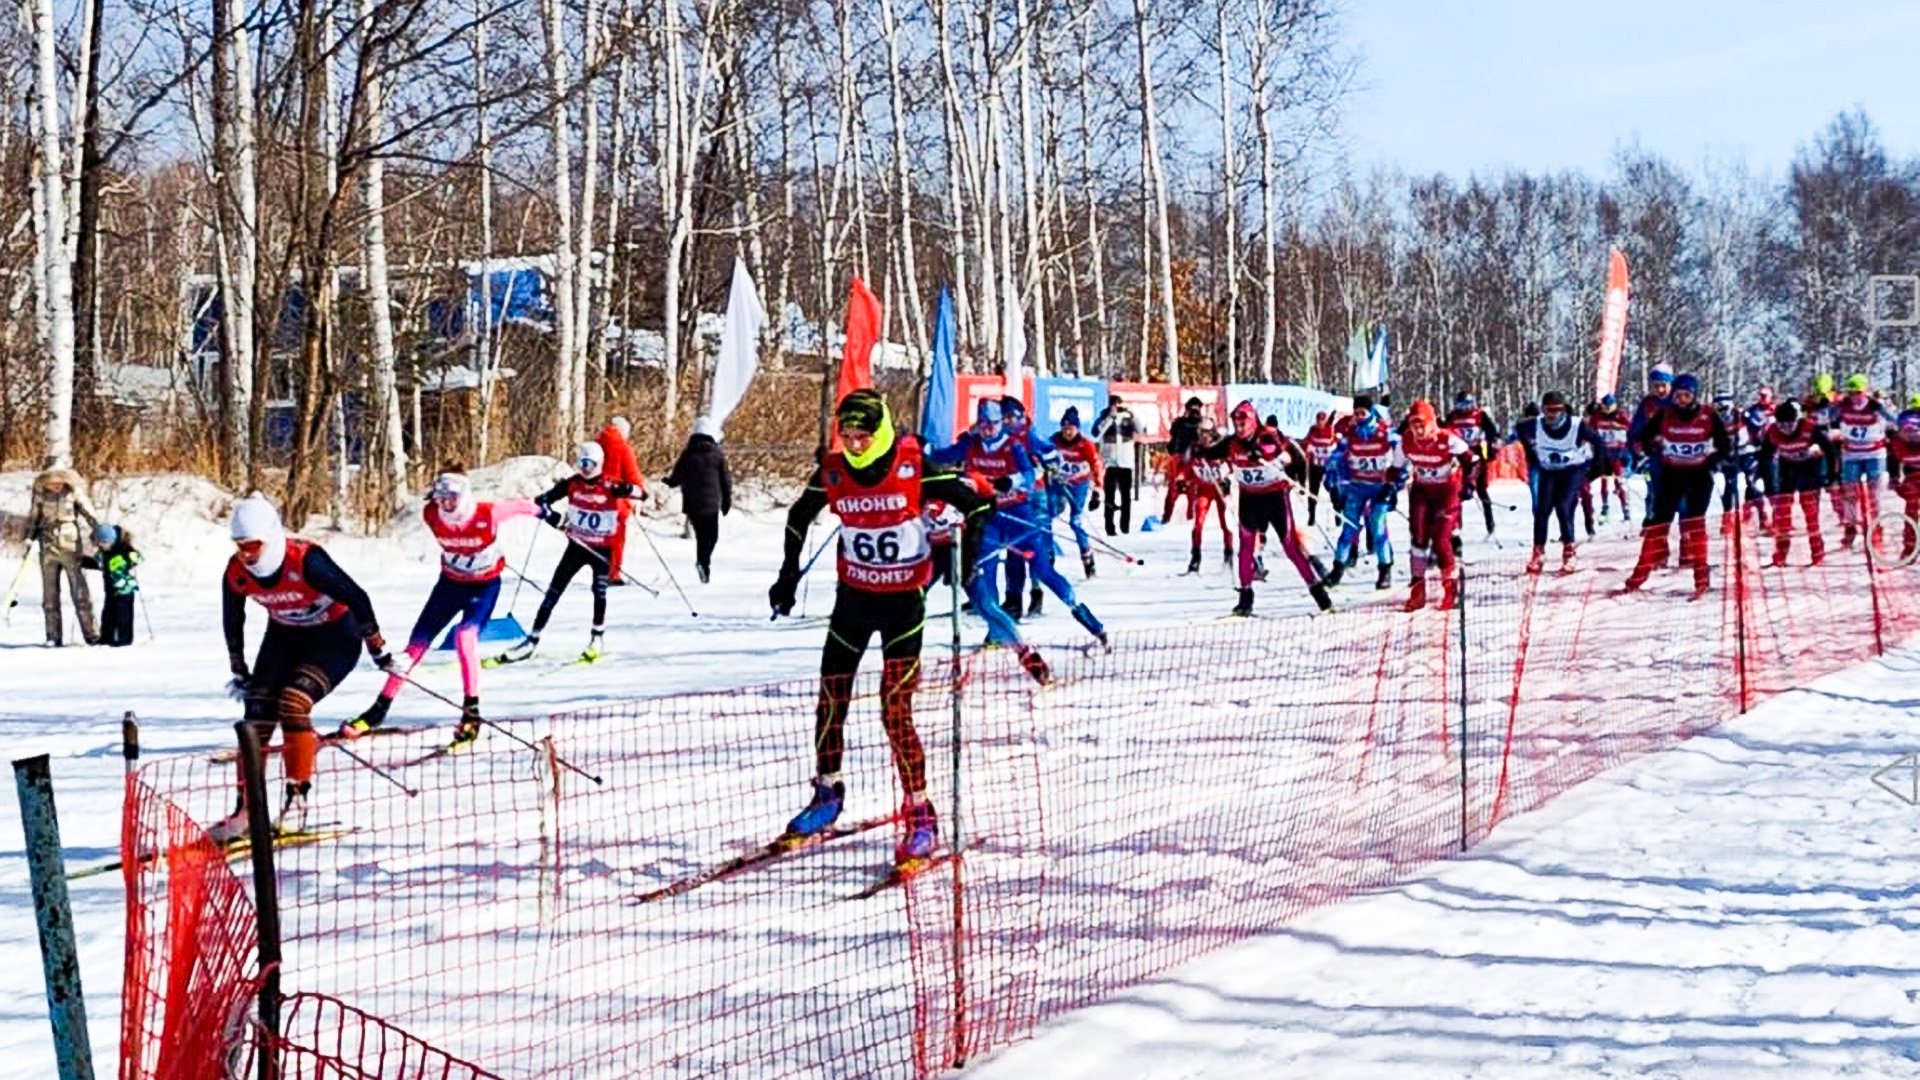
{"points": [[899, 873], [238, 849]]}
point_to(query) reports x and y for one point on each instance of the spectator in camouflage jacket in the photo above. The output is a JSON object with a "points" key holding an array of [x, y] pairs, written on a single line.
{"points": [[59, 506]]}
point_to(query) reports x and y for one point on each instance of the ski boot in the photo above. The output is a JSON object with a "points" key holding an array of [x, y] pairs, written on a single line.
{"points": [[1084, 616], [922, 831], [522, 651], [592, 651], [1385, 580], [1260, 568], [1449, 593], [293, 808], [822, 811], [1334, 575], [468, 729], [1702, 581], [1226, 556], [1318, 591], [1086, 562], [1847, 538], [1034, 599], [1245, 607], [1013, 607], [1034, 665], [1193, 562], [1313, 561], [1569, 558], [1417, 595], [705, 573], [373, 717], [233, 827], [1819, 549], [1537, 559]]}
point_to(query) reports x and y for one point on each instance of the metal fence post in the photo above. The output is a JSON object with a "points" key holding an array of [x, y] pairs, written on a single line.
{"points": [[265, 895], [66, 1007]]}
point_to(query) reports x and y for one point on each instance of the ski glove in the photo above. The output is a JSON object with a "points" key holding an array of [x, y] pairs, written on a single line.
{"points": [[1093, 501], [377, 648], [1003, 484], [237, 686], [785, 591]]}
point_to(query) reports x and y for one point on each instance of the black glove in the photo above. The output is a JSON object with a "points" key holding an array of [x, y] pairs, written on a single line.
{"points": [[553, 518], [1003, 484], [1093, 501], [785, 591], [377, 648], [237, 686]]}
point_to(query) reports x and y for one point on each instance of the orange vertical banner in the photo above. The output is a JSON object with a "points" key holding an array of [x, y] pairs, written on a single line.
{"points": [[1613, 327]]}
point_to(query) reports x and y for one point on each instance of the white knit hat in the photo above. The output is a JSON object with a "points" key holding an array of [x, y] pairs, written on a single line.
{"points": [[254, 518], [704, 425]]}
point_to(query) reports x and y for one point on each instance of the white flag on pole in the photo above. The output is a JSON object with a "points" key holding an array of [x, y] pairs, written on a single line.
{"points": [[739, 353]]}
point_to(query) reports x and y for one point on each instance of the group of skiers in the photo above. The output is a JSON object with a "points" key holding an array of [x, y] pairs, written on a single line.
{"points": [[60, 525]]}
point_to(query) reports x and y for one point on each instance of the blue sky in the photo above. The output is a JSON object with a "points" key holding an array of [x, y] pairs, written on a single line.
{"points": [[1462, 86]]}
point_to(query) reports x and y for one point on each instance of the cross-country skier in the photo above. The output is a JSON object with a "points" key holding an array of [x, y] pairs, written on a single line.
{"points": [[1688, 440], [1206, 484], [1080, 475], [1609, 425], [1363, 471], [1434, 461], [1560, 449], [1318, 444], [1740, 466], [468, 532], [1258, 457], [318, 619], [1038, 507], [1659, 392], [1476, 428], [879, 485], [1903, 456], [593, 520], [1860, 430], [1759, 417], [1799, 456]]}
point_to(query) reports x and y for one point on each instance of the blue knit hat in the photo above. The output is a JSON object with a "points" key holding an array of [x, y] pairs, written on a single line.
{"points": [[988, 411], [1071, 416], [1688, 384]]}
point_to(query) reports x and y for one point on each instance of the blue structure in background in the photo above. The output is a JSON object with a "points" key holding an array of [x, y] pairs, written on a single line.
{"points": [[1052, 398], [517, 292], [936, 415]]}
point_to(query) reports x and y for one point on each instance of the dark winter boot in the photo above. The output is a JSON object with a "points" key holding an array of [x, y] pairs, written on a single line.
{"points": [[1086, 563], [1013, 606], [1226, 556], [706, 574], [1034, 600], [1385, 580], [822, 810], [469, 727], [1536, 560], [373, 717], [1245, 606], [1319, 593], [1333, 576], [1193, 563]]}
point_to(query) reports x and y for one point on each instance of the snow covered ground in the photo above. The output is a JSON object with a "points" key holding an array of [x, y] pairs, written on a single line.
{"points": [[1636, 924]]}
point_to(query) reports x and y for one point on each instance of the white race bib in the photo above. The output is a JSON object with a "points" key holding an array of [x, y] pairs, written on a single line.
{"points": [[598, 524], [894, 545]]}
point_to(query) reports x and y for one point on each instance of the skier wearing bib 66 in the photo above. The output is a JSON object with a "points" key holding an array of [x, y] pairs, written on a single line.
{"points": [[468, 532], [592, 522], [879, 486]]}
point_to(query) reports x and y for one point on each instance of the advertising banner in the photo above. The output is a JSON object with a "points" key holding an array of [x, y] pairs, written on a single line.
{"points": [[1052, 398], [1293, 406]]}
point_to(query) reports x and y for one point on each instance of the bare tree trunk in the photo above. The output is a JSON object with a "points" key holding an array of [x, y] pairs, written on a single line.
{"points": [[57, 280], [483, 331], [83, 245], [1031, 286], [248, 359], [590, 323], [379, 293], [1156, 175], [903, 183], [1230, 197], [1096, 254], [560, 92], [1269, 224]]}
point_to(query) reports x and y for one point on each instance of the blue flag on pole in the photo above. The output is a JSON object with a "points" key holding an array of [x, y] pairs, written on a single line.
{"points": [[936, 417]]}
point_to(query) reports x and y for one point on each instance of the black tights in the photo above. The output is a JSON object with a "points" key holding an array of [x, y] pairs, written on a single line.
{"points": [[576, 557], [898, 619]]}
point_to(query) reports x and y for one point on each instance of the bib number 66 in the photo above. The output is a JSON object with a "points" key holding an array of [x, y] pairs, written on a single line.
{"points": [[877, 548]]}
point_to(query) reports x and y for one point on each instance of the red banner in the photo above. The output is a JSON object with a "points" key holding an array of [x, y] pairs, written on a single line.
{"points": [[1613, 327], [863, 328], [971, 390]]}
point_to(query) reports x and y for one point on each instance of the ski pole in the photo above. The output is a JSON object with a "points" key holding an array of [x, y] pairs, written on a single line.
{"points": [[465, 713], [374, 769], [532, 539], [605, 561], [817, 552], [145, 613], [663, 565], [20, 575]]}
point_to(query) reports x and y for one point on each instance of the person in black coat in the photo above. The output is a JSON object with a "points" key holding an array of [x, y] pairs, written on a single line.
{"points": [[706, 490]]}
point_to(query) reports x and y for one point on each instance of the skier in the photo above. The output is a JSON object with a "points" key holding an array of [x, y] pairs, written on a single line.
{"points": [[592, 522], [1363, 472], [1435, 461], [1207, 485], [620, 467], [706, 491], [1181, 435], [1258, 457], [1476, 428], [1799, 456], [1689, 441], [1758, 418], [318, 619], [59, 507], [1903, 453], [1560, 449], [1659, 392], [468, 532], [1081, 477], [1741, 465], [1860, 425], [1038, 508], [1319, 443], [879, 485], [114, 556], [1115, 430], [1609, 425]]}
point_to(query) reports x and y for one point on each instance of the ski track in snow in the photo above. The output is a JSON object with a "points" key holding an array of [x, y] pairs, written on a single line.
{"points": [[1736, 906]]}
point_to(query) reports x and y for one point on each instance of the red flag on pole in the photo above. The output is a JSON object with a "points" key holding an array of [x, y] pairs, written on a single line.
{"points": [[1613, 327], [863, 328]]}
